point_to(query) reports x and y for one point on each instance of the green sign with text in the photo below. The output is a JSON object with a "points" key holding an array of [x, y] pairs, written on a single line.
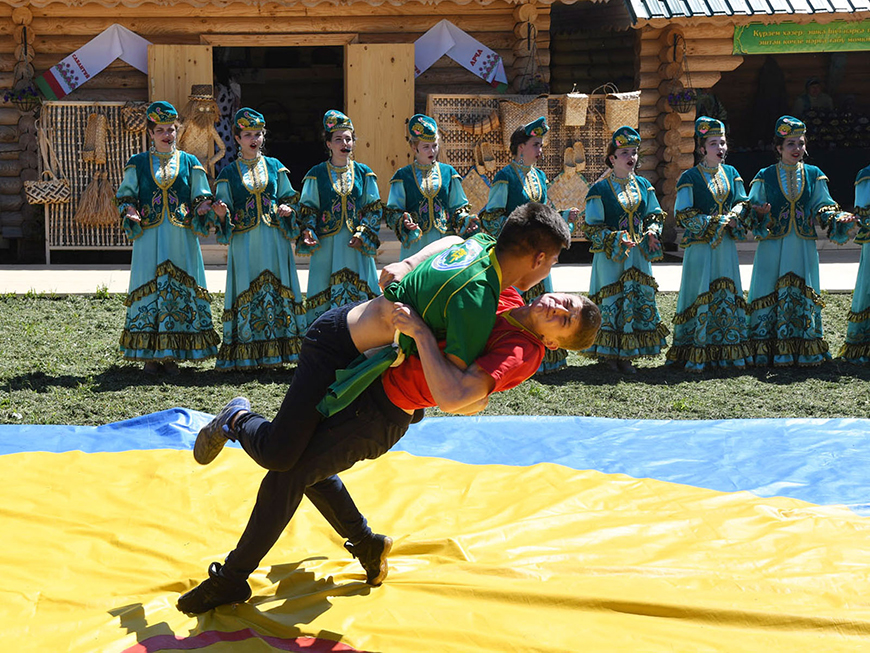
{"points": [[839, 36]]}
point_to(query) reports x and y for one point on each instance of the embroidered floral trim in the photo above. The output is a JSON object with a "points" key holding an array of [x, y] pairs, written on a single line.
{"points": [[167, 268], [704, 299]]}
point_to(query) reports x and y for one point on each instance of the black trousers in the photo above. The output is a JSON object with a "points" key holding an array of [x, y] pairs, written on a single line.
{"points": [[304, 452], [364, 430]]}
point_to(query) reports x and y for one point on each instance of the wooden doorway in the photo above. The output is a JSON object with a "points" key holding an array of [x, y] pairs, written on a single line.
{"points": [[379, 91]]}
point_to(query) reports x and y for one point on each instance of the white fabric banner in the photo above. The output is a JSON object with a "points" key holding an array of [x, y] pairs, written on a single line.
{"points": [[446, 38], [114, 42]]}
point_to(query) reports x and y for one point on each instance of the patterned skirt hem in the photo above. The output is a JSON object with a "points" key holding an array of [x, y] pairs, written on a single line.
{"points": [[706, 298], [612, 345], [271, 353], [721, 355], [785, 353], [554, 360]]}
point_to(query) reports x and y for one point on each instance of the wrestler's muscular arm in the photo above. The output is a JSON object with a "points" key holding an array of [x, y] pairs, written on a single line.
{"points": [[370, 323], [455, 388], [395, 271]]}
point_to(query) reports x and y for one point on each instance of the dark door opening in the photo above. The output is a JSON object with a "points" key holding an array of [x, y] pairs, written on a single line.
{"points": [[292, 87]]}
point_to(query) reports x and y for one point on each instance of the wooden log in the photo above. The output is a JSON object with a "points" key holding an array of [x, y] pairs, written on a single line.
{"points": [[23, 32], [526, 13], [648, 162], [21, 16], [687, 145], [647, 130], [9, 116], [669, 188], [648, 97], [28, 142], [12, 219], [498, 41], [670, 34], [10, 203], [669, 154], [9, 133], [647, 65], [111, 79], [521, 30], [650, 81], [651, 176], [27, 123], [148, 26], [669, 121], [445, 77], [670, 70], [29, 159], [670, 170], [709, 47], [276, 10], [700, 80], [83, 94], [10, 150], [647, 112], [11, 185], [672, 138], [719, 63], [30, 174]]}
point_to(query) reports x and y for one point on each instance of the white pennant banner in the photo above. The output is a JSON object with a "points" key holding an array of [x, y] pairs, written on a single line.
{"points": [[93, 57], [446, 38]]}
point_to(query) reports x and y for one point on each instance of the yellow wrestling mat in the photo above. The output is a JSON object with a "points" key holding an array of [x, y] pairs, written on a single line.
{"points": [[97, 548]]}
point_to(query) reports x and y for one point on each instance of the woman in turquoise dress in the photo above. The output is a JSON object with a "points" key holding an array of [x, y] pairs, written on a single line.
{"points": [[164, 204], [785, 322], [264, 313], [340, 216], [856, 349], [426, 200], [623, 223], [710, 325], [520, 182]]}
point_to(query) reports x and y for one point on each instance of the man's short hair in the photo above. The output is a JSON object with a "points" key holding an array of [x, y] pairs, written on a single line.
{"points": [[532, 228], [587, 327]]}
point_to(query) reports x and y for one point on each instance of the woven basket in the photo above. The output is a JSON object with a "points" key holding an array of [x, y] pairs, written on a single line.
{"points": [[568, 191], [47, 191], [515, 115], [576, 105], [133, 117], [477, 190], [622, 109]]}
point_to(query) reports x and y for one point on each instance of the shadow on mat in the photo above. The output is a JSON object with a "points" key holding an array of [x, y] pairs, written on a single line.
{"points": [[299, 598]]}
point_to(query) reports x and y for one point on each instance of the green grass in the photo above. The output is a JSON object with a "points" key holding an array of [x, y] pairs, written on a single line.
{"points": [[60, 365]]}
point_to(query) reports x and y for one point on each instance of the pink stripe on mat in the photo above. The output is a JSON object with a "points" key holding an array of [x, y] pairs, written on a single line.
{"points": [[297, 644]]}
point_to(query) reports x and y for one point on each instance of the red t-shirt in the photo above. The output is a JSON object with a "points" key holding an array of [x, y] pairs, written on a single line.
{"points": [[511, 356]]}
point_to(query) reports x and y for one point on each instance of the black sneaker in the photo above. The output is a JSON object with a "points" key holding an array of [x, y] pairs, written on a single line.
{"points": [[212, 592], [372, 555], [213, 436]]}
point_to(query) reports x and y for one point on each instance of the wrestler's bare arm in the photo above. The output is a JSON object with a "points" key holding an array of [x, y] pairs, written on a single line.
{"points": [[395, 271], [455, 388], [370, 323]]}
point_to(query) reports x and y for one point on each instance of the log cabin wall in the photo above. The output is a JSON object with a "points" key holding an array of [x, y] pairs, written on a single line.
{"points": [[591, 44], [55, 30]]}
